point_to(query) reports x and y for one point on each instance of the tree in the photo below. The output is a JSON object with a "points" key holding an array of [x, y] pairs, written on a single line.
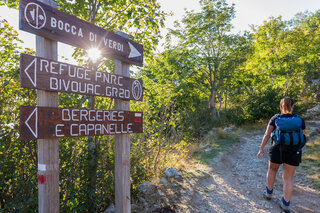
{"points": [[283, 62], [141, 19], [284, 55], [307, 29], [17, 158], [84, 172], [206, 34]]}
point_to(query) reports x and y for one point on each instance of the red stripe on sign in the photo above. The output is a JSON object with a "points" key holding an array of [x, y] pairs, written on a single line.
{"points": [[137, 119], [41, 179]]}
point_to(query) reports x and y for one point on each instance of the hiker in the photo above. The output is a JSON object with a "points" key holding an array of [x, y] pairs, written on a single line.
{"points": [[287, 140]]}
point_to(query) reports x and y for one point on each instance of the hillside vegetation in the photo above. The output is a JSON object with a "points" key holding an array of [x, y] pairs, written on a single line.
{"points": [[210, 78]]}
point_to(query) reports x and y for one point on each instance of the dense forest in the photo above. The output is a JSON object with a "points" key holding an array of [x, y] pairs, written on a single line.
{"points": [[209, 78]]}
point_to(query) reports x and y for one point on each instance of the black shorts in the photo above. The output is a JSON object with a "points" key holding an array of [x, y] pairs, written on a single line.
{"points": [[288, 157]]}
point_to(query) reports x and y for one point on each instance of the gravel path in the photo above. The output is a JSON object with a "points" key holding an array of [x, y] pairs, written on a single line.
{"points": [[234, 183]]}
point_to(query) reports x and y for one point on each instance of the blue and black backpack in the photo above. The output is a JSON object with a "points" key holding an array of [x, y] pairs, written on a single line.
{"points": [[288, 133]]}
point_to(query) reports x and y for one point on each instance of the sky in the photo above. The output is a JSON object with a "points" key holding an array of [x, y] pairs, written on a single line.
{"points": [[256, 11], [248, 12]]}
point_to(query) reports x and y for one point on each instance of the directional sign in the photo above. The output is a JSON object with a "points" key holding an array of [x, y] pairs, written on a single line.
{"points": [[47, 122], [46, 21], [50, 75]]}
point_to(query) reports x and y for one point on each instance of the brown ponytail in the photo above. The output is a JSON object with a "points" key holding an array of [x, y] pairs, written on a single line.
{"points": [[286, 104]]}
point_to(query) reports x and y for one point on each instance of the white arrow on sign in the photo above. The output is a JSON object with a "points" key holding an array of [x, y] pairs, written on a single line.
{"points": [[35, 131], [29, 67], [133, 51]]}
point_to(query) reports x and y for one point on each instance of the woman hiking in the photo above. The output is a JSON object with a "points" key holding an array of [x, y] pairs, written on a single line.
{"points": [[288, 138]]}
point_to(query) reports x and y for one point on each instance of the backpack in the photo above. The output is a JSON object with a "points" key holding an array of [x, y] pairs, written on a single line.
{"points": [[288, 134]]}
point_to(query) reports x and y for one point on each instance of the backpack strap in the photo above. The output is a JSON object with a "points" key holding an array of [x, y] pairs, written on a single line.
{"points": [[300, 119], [301, 133], [291, 138], [275, 121]]}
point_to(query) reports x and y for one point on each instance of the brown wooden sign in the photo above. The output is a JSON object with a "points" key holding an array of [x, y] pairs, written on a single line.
{"points": [[46, 21], [47, 122], [50, 75]]}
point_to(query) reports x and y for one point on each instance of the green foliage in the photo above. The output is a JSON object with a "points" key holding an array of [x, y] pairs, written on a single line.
{"points": [[213, 52], [18, 171], [221, 141], [206, 34], [262, 105], [281, 58], [162, 92], [76, 163], [279, 64], [86, 165], [211, 78], [10, 3], [141, 19]]}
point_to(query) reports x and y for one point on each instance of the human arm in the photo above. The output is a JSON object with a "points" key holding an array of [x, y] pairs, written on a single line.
{"points": [[265, 139]]}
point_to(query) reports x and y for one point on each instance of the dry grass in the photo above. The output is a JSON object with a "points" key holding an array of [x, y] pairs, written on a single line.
{"points": [[210, 146], [311, 161], [220, 141], [189, 156], [249, 129]]}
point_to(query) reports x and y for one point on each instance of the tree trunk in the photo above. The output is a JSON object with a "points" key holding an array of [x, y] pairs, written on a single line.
{"points": [[92, 160], [213, 103], [220, 104], [225, 103]]}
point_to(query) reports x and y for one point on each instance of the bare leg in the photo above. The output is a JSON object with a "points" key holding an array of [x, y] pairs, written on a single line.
{"points": [[271, 174], [287, 177]]}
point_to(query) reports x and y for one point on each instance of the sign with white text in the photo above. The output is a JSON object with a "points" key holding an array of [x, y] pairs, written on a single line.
{"points": [[48, 122], [50, 75], [46, 21]]}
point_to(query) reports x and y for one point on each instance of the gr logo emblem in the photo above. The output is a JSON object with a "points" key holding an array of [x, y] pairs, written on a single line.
{"points": [[35, 15], [136, 90]]}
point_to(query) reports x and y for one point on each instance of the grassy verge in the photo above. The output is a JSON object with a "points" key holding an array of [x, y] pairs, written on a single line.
{"points": [[311, 161], [193, 155], [222, 141], [212, 145]]}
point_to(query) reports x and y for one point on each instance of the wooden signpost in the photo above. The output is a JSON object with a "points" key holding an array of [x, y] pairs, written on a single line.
{"points": [[46, 21], [51, 75], [47, 122], [48, 149], [122, 151]]}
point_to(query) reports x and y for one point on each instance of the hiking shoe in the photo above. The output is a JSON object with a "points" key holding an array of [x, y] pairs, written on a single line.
{"points": [[267, 196], [284, 208]]}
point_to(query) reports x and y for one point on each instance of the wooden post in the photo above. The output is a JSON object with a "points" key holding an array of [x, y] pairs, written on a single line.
{"points": [[48, 149], [122, 151]]}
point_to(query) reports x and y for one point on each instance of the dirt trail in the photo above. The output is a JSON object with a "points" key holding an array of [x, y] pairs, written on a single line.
{"points": [[234, 183]]}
